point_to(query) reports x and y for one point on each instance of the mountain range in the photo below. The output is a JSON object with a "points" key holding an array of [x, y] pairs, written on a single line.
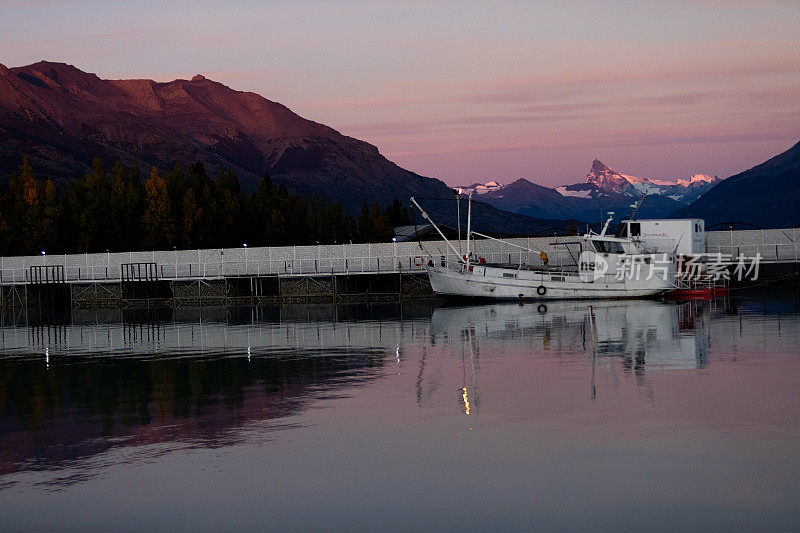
{"points": [[604, 189], [62, 117]]}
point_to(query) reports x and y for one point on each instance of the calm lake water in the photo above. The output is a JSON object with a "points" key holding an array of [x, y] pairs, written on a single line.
{"points": [[628, 415]]}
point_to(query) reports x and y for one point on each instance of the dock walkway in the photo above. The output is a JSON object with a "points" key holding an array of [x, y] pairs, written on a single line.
{"points": [[321, 271]]}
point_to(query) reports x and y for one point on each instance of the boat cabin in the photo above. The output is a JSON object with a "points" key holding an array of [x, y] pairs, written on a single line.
{"points": [[672, 236]]}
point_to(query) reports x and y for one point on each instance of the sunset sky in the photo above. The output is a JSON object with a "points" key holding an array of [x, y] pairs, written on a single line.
{"points": [[469, 91]]}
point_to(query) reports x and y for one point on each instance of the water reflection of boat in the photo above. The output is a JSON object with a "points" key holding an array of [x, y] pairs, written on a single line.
{"points": [[659, 334]]}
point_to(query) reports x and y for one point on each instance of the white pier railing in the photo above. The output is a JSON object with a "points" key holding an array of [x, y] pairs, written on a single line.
{"points": [[773, 245], [255, 261]]}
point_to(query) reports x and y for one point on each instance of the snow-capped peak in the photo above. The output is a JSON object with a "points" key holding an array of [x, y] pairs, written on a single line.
{"points": [[609, 179], [481, 188], [705, 178]]}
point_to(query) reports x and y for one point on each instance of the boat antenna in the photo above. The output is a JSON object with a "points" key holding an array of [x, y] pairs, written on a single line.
{"points": [[636, 206], [608, 221]]}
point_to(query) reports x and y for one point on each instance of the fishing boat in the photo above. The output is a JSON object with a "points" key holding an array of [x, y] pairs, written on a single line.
{"points": [[607, 267]]}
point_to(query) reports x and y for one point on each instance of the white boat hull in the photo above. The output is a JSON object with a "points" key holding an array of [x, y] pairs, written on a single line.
{"points": [[498, 283]]}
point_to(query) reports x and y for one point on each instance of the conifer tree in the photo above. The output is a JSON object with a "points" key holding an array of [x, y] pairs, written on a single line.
{"points": [[159, 233], [190, 210], [50, 221], [191, 216]]}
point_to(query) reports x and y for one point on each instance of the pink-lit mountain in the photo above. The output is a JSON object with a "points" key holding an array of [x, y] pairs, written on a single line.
{"points": [[61, 117], [682, 190]]}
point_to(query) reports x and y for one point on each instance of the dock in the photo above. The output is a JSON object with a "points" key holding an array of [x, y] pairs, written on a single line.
{"points": [[291, 274]]}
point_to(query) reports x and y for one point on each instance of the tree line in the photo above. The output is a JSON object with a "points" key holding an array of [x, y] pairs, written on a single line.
{"points": [[119, 211]]}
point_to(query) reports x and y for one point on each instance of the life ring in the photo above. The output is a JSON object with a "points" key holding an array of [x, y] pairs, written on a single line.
{"points": [[542, 309], [419, 260], [541, 290]]}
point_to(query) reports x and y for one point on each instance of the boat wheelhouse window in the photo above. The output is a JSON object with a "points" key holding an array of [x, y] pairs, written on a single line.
{"points": [[608, 247], [635, 229]]}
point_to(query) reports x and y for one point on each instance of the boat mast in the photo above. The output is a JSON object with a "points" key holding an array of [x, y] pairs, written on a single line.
{"points": [[428, 218], [469, 223], [458, 216]]}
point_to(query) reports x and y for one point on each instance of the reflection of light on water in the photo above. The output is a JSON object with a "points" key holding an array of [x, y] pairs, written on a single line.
{"points": [[466, 401], [248, 354], [47, 356]]}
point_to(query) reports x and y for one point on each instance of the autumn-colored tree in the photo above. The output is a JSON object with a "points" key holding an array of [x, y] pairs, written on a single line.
{"points": [[31, 206]]}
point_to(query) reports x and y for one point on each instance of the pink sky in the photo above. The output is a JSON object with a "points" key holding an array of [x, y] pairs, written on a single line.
{"points": [[466, 91]]}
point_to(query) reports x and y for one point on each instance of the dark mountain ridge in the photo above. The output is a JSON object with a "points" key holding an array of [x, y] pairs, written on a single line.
{"points": [[767, 195]]}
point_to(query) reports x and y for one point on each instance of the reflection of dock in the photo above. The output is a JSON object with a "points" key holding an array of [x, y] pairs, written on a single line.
{"points": [[298, 328]]}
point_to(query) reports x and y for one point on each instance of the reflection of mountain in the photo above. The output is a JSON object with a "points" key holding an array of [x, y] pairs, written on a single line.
{"points": [[76, 390], [82, 406]]}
